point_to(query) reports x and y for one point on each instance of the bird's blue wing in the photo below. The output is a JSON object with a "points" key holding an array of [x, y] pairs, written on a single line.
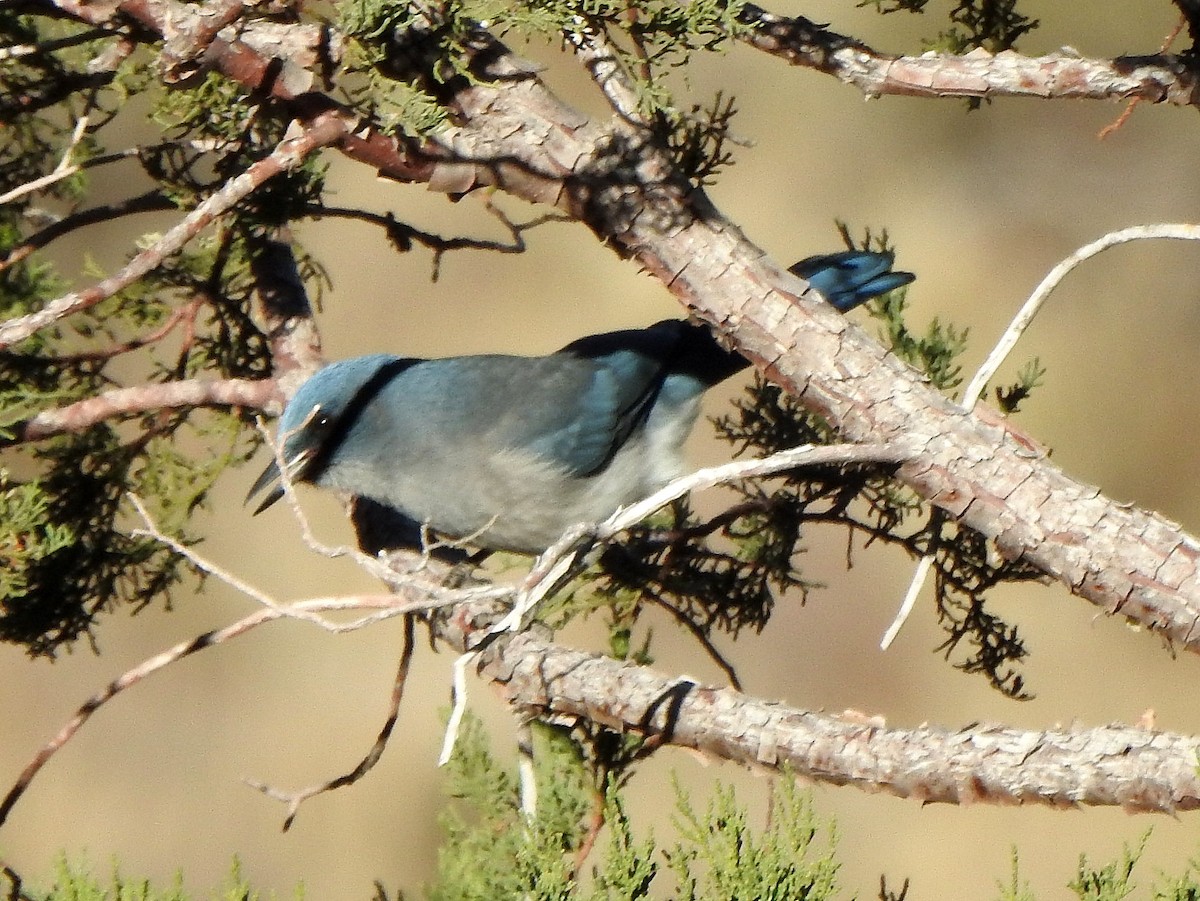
{"points": [[601, 388], [630, 373]]}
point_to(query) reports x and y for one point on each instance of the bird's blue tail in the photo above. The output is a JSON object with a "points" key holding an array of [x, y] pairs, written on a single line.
{"points": [[851, 277]]}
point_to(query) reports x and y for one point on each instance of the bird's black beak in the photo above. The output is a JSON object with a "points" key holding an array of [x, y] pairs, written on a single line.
{"points": [[269, 479], [272, 482]]}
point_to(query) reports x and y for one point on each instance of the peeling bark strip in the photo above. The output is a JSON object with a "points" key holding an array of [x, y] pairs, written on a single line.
{"points": [[1135, 769]]}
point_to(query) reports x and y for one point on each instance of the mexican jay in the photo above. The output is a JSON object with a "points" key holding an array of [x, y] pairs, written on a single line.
{"points": [[509, 452]]}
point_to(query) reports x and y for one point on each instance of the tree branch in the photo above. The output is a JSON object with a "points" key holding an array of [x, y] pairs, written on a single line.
{"points": [[293, 799], [1132, 768], [1159, 78], [151, 201], [291, 152], [516, 135], [255, 394]]}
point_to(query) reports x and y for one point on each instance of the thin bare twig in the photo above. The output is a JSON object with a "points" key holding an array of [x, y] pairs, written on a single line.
{"points": [[291, 152], [1174, 230], [526, 771], [16, 884], [151, 201], [403, 235], [1016, 328], [293, 799], [593, 46], [64, 169], [595, 822], [706, 643], [385, 605], [205, 565], [919, 577]]}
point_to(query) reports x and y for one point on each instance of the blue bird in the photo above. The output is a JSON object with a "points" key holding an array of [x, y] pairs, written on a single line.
{"points": [[509, 452]]}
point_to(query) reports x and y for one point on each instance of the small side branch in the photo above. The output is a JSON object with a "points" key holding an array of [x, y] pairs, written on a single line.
{"points": [[1158, 78], [64, 169], [381, 605], [254, 394], [293, 800], [1182, 231], [325, 129]]}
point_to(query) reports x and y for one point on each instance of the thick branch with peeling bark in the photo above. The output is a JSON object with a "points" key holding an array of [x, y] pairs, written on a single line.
{"points": [[1137, 769], [1133, 768], [1110, 765]]}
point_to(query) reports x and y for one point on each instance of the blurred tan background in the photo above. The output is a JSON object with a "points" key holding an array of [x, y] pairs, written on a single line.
{"points": [[980, 205]]}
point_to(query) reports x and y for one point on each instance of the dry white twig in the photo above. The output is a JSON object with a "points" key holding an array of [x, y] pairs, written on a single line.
{"points": [[385, 605], [205, 565], [920, 574], [1174, 230], [526, 771], [1020, 323], [64, 169], [558, 561]]}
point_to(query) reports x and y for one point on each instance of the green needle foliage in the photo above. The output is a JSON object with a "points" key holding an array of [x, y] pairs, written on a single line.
{"points": [[493, 853], [74, 881]]}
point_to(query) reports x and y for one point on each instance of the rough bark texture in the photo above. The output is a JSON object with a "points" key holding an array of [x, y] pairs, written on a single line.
{"points": [[1063, 75], [1133, 768], [1114, 765]]}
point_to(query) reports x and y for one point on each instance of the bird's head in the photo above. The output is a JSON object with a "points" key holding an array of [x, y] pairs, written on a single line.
{"points": [[319, 417]]}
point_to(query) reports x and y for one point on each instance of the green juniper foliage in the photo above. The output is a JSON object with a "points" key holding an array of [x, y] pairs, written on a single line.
{"points": [[720, 855], [79, 558], [717, 856], [74, 881], [1114, 880], [493, 853]]}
